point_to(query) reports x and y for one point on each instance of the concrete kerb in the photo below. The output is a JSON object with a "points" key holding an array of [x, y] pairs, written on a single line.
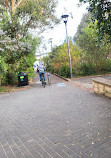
{"points": [[92, 76], [76, 83], [66, 79], [69, 80]]}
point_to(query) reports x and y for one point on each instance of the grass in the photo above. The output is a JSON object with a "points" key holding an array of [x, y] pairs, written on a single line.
{"points": [[4, 89]]}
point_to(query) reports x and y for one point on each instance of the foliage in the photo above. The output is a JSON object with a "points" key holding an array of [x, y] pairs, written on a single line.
{"points": [[101, 10], [3, 69], [106, 66], [92, 47], [84, 22], [95, 52], [48, 63], [14, 51], [26, 65], [58, 59], [37, 14], [25, 14], [64, 71], [89, 56], [17, 47], [87, 69]]}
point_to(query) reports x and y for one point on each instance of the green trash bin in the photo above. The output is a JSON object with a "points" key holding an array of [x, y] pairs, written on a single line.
{"points": [[22, 79]]}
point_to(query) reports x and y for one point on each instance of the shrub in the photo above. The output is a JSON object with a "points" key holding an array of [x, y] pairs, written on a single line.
{"points": [[26, 65], [87, 69], [107, 65], [30, 72], [3, 70], [50, 68], [64, 71], [11, 76]]}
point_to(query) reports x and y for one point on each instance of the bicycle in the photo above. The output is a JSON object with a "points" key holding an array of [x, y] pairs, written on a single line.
{"points": [[49, 79], [42, 79]]}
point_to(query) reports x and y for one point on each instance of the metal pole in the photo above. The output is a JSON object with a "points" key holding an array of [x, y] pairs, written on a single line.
{"points": [[50, 40], [51, 45], [67, 40]]}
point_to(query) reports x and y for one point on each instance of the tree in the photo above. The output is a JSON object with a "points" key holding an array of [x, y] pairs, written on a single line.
{"points": [[94, 51], [84, 22], [16, 54], [101, 10], [17, 47], [58, 59], [3, 69], [30, 14]]}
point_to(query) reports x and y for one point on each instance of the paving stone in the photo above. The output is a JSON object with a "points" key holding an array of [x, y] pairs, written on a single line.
{"points": [[2, 153], [54, 122]]}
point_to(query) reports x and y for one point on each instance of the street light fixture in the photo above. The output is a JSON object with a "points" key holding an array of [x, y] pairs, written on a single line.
{"points": [[65, 19]]}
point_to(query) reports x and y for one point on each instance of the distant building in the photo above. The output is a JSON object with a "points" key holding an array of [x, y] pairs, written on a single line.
{"points": [[41, 55]]}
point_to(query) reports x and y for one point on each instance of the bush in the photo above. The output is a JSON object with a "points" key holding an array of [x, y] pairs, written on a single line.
{"points": [[3, 70], [64, 71], [87, 69], [107, 66], [26, 66], [11, 76], [50, 68], [30, 72]]}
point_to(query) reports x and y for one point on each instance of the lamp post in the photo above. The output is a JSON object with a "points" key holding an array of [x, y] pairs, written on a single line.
{"points": [[50, 41], [65, 19]]}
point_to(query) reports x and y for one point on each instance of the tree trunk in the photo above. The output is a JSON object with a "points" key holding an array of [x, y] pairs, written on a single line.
{"points": [[18, 4], [6, 5], [14, 5]]}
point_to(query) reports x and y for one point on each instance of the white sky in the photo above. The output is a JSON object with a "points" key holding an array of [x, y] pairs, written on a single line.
{"points": [[58, 33]]}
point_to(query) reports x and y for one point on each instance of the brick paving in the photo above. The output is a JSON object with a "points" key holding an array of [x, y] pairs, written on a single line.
{"points": [[86, 82], [54, 122], [88, 79]]}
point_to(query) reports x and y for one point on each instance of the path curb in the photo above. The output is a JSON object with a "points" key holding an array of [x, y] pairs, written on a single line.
{"points": [[75, 83], [66, 79], [92, 76]]}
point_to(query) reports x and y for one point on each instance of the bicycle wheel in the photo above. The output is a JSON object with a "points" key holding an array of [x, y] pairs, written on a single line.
{"points": [[44, 84]]}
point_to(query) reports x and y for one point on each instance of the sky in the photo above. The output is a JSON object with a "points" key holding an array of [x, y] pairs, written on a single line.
{"points": [[58, 33]]}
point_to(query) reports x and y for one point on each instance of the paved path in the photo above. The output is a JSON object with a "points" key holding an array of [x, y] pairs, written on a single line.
{"points": [[58, 121], [86, 82]]}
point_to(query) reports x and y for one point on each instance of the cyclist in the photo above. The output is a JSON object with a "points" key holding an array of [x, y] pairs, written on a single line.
{"points": [[41, 69]]}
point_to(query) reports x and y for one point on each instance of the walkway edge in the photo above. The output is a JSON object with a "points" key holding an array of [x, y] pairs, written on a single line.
{"points": [[62, 77]]}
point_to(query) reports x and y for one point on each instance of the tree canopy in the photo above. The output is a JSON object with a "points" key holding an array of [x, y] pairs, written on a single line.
{"points": [[101, 11], [30, 13], [17, 46]]}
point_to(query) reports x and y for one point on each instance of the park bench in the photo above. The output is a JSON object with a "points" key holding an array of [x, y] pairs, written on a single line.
{"points": [[102, 86]]}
